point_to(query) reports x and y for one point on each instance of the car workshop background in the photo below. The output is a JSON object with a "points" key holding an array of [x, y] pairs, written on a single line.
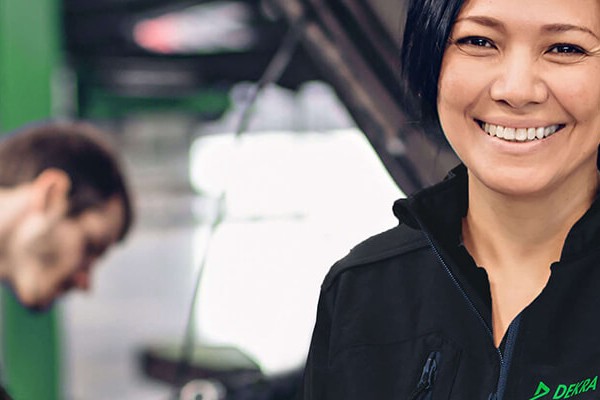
{"points": [[252, 210]]}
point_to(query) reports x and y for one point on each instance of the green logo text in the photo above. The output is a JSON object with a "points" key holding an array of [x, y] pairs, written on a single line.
{"points": [[566, 391]]}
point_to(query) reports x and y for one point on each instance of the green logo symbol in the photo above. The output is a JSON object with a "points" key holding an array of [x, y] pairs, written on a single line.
{"points": [[542, 390], [566, 391]]}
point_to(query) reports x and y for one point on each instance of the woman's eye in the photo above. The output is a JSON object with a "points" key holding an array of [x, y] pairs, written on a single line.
{"points": [[476, 46], [475, 42], [566, 49], [565, 53]]}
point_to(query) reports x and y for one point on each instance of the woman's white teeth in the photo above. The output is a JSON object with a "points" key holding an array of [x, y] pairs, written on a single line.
{"points": [[519, 134], [509, 133], [539, 133]]}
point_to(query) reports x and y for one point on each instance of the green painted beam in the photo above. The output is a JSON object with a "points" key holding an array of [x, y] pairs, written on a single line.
{"points": [[32, 357], [29, 54]]}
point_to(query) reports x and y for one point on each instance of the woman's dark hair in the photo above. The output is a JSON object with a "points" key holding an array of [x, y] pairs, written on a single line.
{"points": [[428, 26], [80, 150]]}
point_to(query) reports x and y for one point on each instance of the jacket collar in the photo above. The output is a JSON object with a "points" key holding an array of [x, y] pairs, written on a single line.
{"points": [[585, 234], [440, 208]]}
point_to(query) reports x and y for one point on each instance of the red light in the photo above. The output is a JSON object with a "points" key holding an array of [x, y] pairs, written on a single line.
{"points": [[158, 35]]}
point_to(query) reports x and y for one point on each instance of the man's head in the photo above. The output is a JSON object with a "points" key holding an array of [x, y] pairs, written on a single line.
{"points": [[65, 202]]}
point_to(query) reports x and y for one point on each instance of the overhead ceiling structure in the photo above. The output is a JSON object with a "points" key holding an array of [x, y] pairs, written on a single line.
{"points": [[170, 48], [356, 43]]}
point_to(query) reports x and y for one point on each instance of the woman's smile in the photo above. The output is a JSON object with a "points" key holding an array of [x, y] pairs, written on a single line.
{"points": [[519, 134], [519, 93]]}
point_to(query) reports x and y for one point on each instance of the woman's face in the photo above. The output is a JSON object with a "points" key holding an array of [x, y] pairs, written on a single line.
{"points": [[519, 93]]}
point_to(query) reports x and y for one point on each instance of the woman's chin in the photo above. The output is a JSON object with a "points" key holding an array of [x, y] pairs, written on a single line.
{"points": [[522, 185]]}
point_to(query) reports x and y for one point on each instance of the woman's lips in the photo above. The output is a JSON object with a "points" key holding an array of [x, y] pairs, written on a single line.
{"points": [[519, 134]]}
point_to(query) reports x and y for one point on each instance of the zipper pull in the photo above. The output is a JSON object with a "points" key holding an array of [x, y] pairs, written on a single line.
{"points": [[429, 371], [427, 376]]}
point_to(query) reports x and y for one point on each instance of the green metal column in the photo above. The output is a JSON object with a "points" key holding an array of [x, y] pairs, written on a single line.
{"points": [[29, 54]]}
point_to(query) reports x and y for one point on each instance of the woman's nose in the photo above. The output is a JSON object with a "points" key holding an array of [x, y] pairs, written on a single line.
{"points": [[519, 81]]}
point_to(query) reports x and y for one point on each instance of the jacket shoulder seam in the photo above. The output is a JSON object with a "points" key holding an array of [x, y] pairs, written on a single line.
{"points": [[415, 240]]}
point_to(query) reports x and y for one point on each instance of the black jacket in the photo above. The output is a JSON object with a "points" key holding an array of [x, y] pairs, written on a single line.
{"points": [[407, 315]]}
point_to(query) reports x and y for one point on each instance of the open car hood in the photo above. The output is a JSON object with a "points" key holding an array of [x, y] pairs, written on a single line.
{"points": [[356, 44]]}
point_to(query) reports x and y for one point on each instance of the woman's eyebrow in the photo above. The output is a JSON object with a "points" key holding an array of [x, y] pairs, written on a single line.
{"points": [[482, 20], [559, 28], [552, 28]]}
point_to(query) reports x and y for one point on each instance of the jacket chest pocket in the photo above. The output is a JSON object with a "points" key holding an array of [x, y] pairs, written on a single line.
{"points": [[424, 389], [422, 368]]}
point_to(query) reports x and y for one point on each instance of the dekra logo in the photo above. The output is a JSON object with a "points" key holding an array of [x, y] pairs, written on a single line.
{"points": [[565, 391]]}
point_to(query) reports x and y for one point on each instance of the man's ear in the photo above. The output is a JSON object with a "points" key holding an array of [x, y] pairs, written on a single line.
{"points": [[51, 192]]}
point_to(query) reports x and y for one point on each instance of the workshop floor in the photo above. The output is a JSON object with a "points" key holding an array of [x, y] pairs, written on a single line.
{"points": [[142, 290]]}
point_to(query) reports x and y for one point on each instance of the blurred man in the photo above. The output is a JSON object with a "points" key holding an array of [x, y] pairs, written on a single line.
{"points": [[63, 203]]}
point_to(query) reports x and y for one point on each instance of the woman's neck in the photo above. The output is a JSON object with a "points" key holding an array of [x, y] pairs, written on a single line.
{"points": [[501, 228], [516, 239]]}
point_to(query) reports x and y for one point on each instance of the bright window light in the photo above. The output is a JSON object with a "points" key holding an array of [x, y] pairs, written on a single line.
{"points": [[295, 203]]}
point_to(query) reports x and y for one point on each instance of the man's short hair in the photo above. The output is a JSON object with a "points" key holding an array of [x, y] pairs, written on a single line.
{"points": [[80, 150]]}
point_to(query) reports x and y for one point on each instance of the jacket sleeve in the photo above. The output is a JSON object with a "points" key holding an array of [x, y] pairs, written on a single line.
{"points": [[316, 373]]}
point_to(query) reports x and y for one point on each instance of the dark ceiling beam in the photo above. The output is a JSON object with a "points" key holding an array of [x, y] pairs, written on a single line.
{"points": [[361, 78]]}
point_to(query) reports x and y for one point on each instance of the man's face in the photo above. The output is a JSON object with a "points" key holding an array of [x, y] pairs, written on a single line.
{"points": [[51, 255]]}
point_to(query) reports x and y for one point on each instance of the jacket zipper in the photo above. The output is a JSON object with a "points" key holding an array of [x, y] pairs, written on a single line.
{"points": [[509, 348], [462, 291], [427, 378], [506, 358]]}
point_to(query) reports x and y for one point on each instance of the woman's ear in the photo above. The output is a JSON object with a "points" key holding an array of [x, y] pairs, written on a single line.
{"points": [[51, 192]]}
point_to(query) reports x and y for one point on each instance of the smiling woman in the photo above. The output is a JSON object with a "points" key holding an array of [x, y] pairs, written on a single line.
{"points": [[528, 77], [487, 289], [518, 72]]}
